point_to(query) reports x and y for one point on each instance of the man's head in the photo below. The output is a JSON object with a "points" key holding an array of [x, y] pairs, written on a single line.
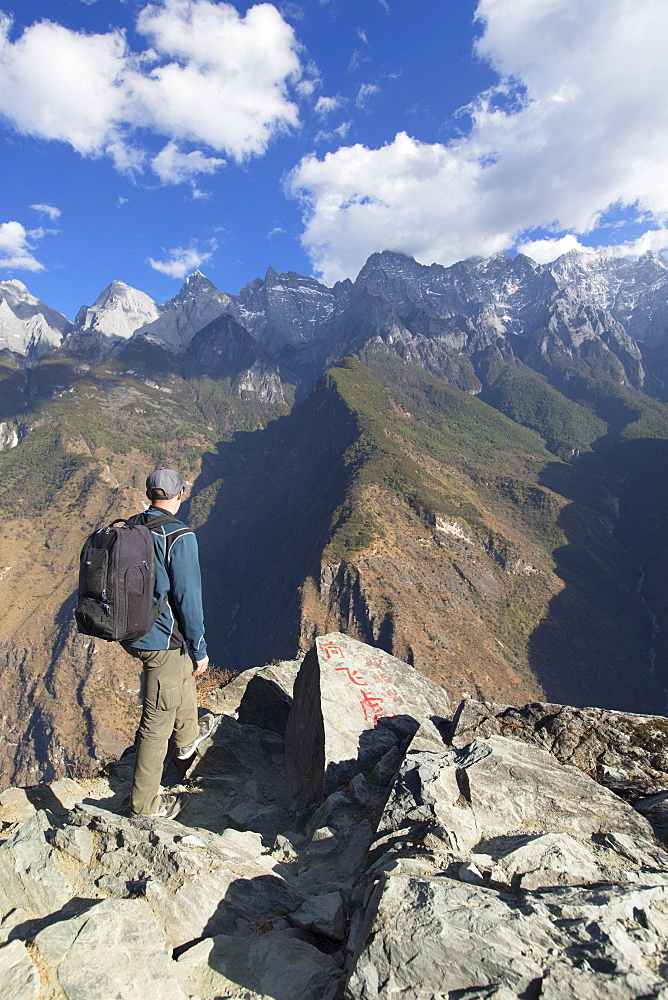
{"points": [[165, 488]]}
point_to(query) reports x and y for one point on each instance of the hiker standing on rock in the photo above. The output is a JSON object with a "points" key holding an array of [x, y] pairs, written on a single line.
{"points": [[173, 653]]}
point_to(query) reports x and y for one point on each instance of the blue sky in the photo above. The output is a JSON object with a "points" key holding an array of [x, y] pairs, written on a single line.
{"points": [[141, 139]]}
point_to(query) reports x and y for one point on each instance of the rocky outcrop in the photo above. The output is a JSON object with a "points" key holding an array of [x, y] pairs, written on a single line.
{"points": [[343, 689], [622, 751], [463, 862]]}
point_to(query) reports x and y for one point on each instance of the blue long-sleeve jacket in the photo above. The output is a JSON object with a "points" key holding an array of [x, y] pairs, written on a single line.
{"points": [[177, 578]]}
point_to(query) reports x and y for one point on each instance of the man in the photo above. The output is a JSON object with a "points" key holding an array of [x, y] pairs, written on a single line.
{"points": [[173, 653]]}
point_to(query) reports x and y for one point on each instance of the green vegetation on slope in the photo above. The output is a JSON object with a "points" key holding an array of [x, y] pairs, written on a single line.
{"points": [[427, 443], [527, 398]]}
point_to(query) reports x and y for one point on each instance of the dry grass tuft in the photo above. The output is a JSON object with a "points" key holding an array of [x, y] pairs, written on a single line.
{"points": [[214, 678]]}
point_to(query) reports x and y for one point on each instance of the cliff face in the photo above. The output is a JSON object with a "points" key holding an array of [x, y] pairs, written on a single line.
{"points": [[349, 833]]}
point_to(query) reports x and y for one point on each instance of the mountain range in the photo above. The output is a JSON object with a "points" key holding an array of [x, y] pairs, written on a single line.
{"points": [[464, 466]]}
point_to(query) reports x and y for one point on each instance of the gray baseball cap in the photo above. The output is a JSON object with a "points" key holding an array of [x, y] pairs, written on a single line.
{"points": [[165, 483]]}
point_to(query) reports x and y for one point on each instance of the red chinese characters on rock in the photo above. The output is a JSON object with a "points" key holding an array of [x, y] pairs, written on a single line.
{"points": [[332, 650], [372, 705]]}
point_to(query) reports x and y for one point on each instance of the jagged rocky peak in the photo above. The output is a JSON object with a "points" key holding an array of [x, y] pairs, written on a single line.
{"points": [[225, 349], [117, 312], [27, 325], [391, 275], [197, 303], [634, 291], [196, 284], [290, 308]]}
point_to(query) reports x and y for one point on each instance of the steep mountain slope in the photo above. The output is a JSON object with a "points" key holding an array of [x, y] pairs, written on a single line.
{"points": [[401, 510]]}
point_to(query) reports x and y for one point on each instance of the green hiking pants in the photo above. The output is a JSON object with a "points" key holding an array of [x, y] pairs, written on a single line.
{"points": [[169, 709]]}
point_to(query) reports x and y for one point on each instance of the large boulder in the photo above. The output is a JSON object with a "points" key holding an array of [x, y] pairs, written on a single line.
{"points": [[268, 966], [349, 702], [627, 753], [435, 937], [114, 949], [30, 877], [457, 799], [19, 978]]}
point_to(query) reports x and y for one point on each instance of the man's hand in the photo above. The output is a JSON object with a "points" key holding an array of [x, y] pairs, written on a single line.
{"points": [[200, 666]]}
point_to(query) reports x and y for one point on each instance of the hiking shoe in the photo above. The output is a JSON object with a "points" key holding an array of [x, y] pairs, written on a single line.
{"points": [[206, 724], [169, 808]]}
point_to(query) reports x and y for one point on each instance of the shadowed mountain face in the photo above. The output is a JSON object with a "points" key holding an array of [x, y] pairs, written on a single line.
{"points": [[477, 488], [401, 510]]}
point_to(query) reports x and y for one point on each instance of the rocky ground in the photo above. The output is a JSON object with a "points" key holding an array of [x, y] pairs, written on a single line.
{"points": [[349, 834]]}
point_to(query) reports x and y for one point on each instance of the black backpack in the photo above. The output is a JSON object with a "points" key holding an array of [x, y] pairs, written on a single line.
{"points": [[117, 580]]}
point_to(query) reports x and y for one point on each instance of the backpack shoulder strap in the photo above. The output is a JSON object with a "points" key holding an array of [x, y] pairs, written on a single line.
{"points": [[152, 521]]}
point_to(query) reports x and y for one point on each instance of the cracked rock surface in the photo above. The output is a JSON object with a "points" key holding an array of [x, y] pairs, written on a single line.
{"points": [[493, 855]]}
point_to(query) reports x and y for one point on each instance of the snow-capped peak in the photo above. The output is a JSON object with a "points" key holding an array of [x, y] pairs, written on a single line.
{"points": [[27, 325], [117, 312]]}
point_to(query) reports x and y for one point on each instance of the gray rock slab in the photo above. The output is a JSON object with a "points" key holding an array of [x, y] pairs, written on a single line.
{"points": [[269, 966], [15, 806], [323, 915], [621, 750], [423, 935], [18, 804], [76, 841], [10, 922], [242, 893], [265, 703], [507, 788], [550, 859], [19, 978], [115, 949], [523, 789], [30, 877], [642, 852], [228, 699], [426, 799], [343, 690], [67, 791]]}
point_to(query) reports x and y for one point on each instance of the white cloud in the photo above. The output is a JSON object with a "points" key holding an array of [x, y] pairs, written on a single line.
{"points": [[292, 10], [210, 77], [543, 251], [15, 248], [173, 166], [325, 105], [364, 93], [310, 80], [340, 132], [574, 127], [182, 260], [50, 210]]}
